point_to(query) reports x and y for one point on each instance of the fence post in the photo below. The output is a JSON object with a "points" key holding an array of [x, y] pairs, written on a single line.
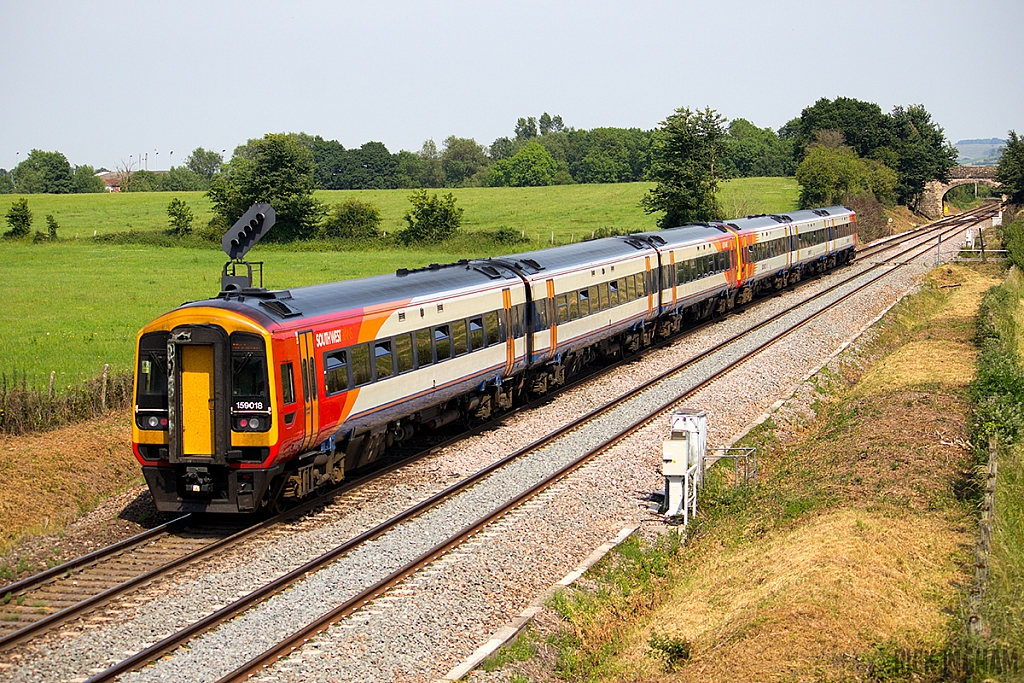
{"points": [[53, 374], [103, 390]]}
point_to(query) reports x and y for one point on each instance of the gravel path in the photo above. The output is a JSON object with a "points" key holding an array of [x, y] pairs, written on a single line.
{"points": [[442, 614]]}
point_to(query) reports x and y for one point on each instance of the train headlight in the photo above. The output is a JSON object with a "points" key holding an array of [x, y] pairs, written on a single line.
{"points": [[254, 423], [154, 421]]}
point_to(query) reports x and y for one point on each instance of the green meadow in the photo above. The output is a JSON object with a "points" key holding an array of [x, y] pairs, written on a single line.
{"points": [[75, 305]]}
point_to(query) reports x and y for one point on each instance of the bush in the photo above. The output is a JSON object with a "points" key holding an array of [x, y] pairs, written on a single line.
{"points": [[431, 219], [352, 219], [19, 217], [52, 226], [180, 217], [509, 236]]}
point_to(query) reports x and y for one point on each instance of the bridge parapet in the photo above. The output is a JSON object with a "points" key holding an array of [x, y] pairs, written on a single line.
{"points": [[934, 191]]}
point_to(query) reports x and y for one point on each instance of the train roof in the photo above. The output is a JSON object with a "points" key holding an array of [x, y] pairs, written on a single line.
{"points": [[571, 256], [335, 297], [765, 221], [684, 234]]}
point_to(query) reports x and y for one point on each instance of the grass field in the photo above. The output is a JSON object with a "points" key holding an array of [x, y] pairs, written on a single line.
{"points": [[571, 211], [74, 305]]}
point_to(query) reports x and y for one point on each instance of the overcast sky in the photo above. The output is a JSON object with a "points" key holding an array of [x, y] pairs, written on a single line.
{"points": [[103, 81]]}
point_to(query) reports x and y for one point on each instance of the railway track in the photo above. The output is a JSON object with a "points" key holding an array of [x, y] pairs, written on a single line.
{"points": [[950, 225], [364, 542]]}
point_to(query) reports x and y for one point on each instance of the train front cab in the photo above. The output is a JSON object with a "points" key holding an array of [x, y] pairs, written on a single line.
{"points": [[204, 428]]}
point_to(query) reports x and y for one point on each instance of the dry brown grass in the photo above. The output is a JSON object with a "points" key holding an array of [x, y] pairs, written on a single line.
{"points": [[880, 554], [48, 480], [799, 606]]}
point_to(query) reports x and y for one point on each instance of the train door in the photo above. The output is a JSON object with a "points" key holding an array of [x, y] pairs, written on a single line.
{"points": [[198, 389], [552, 316], [510, 341], [310, 391]]}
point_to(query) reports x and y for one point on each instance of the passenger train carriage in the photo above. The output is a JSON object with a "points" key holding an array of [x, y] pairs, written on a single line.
{"points": [[257, 397]]}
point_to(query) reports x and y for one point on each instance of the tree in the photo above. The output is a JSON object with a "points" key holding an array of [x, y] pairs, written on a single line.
{"points": [[754, 152], [532, 166], [831, 175], [19, 217], [502, 148], [686, 164], [922, 151], [409, 169], [180, 216], [204, 162], [276, 169], [141, 181], [432, 174], [431, 219], [526, 128], [85, 180], [863, 124], [44, 172], [6, 182], [182, 179], [607, 155], [1010, 171], [52, 226], [462, 160], [352, 219]]}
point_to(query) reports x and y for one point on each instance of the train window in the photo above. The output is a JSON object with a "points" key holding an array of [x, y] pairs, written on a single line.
{"points": [[584, 302], [476, 334], [613, 293], [519, 320], [621, 286], [287, 383], [562, 306], [403, 352], [424, 348], [335, 371], [540, 314], [573, 298], [459, 339], [442, 342], [631, 288], [494, 335], [359, 357], [602, 292], [248, 367], [383, 359], [153, 370]]}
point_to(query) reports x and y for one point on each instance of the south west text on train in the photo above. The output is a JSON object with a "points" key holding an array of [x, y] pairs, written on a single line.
{"points": [[257, 397]]}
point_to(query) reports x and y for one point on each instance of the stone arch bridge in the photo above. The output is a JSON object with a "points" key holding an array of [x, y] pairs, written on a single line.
{"points": [[934, 190]]}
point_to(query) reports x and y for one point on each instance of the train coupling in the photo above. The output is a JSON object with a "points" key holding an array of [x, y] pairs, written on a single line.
{"points": [[197, 480]]}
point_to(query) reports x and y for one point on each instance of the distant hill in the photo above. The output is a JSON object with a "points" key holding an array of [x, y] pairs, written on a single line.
{"points": [[981, 152]]}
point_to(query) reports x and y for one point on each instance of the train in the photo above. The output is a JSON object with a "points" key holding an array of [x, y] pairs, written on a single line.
{"points": [[256, 398]]}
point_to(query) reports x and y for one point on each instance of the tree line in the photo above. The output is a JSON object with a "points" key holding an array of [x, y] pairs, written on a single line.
{"points": [[841, 151]]}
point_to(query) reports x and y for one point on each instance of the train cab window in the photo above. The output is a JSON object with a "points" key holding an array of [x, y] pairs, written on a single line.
{"points": [[153, 370], [335, 371], [584, 302], [424, 348], [442, 343], [459, 340], [383, 359], [287, 383], [248, 368], [403, 352], [359, 357], [494, 335], [602, 292], [476, 334]]}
